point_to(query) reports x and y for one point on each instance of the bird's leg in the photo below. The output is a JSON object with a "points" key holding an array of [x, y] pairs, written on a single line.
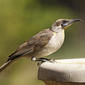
{"points": [[41, 59]]}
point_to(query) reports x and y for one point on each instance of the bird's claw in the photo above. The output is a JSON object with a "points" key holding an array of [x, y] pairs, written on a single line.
{"points": [[42, 60]]}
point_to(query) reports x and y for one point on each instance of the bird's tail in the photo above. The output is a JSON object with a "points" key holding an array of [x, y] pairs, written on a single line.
{"points": [[2, 67]]}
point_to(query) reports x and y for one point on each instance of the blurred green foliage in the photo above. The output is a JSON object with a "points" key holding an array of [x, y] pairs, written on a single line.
{"points": [[21, 19]]}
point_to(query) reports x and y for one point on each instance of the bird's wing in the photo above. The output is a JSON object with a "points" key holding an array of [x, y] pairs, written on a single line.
{"points": [[33, 45]]}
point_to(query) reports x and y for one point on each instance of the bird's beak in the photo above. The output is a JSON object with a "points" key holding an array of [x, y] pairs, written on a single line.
{"points": [[70, 22]]}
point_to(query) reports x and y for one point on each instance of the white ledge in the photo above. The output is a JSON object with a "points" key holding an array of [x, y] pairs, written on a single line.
{"points": [[65, 70]]}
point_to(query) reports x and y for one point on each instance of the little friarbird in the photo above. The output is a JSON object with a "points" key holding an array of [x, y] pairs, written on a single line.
{"points": [[43, 43]]}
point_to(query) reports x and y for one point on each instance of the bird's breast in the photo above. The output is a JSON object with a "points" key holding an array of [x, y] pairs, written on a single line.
{"points": [[53, 45]]}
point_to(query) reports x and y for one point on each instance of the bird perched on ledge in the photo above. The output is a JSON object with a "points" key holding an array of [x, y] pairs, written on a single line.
{"points": [[42, 44]]}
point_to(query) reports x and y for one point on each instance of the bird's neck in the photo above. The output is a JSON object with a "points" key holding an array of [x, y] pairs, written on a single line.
{"points": [[57, 29], [59, 32]]}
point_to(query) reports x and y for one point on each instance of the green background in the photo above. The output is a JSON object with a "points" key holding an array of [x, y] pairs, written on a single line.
{"points": [[21, 19]]}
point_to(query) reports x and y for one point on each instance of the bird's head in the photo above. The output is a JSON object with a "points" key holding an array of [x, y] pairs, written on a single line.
{"points": [[63, 24]]}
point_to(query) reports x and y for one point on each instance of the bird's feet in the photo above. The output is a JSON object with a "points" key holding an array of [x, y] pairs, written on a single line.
{"points": [[42, 60]]}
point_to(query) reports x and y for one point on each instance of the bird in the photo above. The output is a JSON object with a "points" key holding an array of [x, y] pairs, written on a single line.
{"points": [[42, 44]]}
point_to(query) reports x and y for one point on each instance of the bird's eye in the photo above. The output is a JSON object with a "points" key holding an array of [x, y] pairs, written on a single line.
{"points": [[65, 21]]}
